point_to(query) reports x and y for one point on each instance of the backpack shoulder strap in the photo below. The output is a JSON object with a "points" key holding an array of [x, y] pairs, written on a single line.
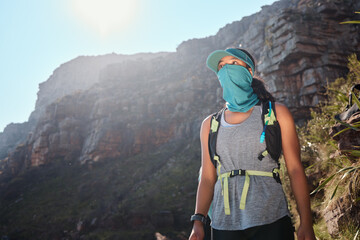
{"points": [[268, 113], [214, 127], [271, 133]]}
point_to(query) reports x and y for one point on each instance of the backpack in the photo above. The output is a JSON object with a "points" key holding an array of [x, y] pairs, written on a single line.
{"points": [[271, 133]]}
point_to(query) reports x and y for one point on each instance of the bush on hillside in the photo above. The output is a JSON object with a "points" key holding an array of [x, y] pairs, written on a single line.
{"points": [[333, 175]]}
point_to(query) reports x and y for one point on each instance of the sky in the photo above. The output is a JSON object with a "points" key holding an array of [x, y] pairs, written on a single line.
{"points": [[37, 36]]}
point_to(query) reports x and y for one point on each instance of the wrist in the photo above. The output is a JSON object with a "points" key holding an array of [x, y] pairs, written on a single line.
{"points": [[198, 218], [306, 219], [306, 224]]}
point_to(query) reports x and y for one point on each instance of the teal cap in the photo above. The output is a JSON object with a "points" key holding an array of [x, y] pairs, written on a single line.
{"points": [[214, 58]]}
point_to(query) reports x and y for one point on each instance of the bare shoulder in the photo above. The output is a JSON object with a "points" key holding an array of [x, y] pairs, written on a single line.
{"points": [[205, 126], [206, 121], [285, 118], [283, 113]]}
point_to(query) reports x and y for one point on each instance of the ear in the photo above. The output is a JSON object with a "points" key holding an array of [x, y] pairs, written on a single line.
{"points": [[250, 70]]}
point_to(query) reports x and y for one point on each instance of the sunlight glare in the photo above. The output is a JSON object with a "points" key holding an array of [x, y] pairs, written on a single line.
{"points": [[106, 16]]}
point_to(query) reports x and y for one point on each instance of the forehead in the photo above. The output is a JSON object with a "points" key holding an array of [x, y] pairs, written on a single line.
{"points": [[229, 58]]}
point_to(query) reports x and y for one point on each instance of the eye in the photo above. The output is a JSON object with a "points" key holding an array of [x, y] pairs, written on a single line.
{"points": [[235, 62], [220, 66]]}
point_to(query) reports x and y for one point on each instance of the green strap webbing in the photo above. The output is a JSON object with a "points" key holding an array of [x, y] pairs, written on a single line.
{"points": [[225, 186], [270, 118], [226, 196], [214, 125], [265, 153]]}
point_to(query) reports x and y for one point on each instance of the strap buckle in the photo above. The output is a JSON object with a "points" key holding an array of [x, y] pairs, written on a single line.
{"points": [[276, 175], [240, 172]]}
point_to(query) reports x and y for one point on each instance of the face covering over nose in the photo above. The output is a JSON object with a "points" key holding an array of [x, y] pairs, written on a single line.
{"points": [[237, 91]]}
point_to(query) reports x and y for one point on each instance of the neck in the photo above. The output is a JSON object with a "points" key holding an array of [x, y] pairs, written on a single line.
{"points": [[237, 117]]}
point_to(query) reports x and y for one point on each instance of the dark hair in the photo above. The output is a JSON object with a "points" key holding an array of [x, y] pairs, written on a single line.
{"points": [[258, 84], [260, 90]]}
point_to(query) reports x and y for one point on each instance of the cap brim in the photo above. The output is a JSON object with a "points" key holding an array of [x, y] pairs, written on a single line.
{"points": [[215, 57]]}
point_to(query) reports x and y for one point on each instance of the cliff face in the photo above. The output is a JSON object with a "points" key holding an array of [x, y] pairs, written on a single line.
{"points": [[95, 108], [77, 75], [115, 107], [299, 45], [72, 77]]}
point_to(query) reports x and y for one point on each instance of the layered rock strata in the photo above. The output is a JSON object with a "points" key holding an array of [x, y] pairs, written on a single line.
{"points": [[95, 108]]}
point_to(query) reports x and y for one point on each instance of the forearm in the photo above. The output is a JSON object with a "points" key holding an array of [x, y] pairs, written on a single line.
{"points": [[302, 196], [291, 150], [204, 196]]}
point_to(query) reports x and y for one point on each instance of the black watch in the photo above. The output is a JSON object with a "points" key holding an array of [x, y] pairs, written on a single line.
{"points": [[199, 217]]}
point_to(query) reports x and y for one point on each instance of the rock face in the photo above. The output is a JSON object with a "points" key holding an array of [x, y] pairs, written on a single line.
{"points": [[344, 210], [70, 78], [299, 48], [77, 75], [334, 217], [13, 135], [94, 108]]}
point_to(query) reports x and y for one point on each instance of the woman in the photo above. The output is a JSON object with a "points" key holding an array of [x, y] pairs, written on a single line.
{"points": [[263, 212]]}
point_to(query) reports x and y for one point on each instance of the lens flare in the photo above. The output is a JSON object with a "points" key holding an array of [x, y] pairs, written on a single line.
{"points": [[106, 16]]}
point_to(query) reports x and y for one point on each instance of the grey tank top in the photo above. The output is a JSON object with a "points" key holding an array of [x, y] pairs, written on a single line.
{"points": [[238, 147]]}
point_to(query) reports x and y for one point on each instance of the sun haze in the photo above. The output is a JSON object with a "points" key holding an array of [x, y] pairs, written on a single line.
{"points": [[105, 17], [38, 36]]}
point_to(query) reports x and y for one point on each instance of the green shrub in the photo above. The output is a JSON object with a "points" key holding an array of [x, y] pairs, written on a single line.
{"points": [[334, 172]]}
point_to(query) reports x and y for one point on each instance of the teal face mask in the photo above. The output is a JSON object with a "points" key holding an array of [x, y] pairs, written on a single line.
{"points": [[237, 91]]}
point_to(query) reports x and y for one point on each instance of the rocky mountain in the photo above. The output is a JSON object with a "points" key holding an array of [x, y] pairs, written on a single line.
{"points": [[103, 114], [71, 77]]}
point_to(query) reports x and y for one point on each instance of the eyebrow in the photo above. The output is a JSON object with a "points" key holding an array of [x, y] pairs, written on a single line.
{"points": [[247, 66], [230, 59]]}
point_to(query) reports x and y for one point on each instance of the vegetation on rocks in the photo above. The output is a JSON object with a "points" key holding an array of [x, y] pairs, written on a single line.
{"points": [[334, 174]]}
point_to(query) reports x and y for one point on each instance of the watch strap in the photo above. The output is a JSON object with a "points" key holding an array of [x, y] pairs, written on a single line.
{"points": [[198, 216]]}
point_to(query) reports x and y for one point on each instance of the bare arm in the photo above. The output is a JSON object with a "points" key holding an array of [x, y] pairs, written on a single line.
{"points": [[207, 181], [291, 150]]}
